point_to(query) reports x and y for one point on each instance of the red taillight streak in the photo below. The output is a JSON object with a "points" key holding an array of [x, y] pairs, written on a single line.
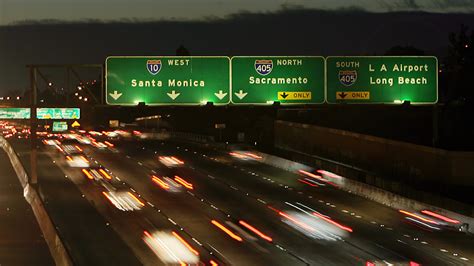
{"points": [[185, 243], [253, 155], [177, 160], [160, 183], [87, 174], [145, 232], [227, 231], [308, 183], [418, 217], [317, 177], [348, 229], [307, 227], [136, 199], [104, 173], [183, 182], [311, 175], [441, 217], [107, 196], [256, 231], [84, 158], [368, 263], [109, 144], [329, 174]]}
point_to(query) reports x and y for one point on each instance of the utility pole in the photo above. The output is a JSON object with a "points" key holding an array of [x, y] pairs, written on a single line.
{"points": [[33, 128]]}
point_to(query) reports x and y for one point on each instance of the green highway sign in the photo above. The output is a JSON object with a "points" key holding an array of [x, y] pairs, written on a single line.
{"points": [[58, 113], [284, 79], [173, 80], [59, 126], [382, 79], [15, 113]]}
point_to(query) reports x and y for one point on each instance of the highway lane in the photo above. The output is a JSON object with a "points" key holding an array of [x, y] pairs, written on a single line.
{"points": [[21, 240], [88, 238], [195, 215], [406, 246], [129, 225], [310, 250]]}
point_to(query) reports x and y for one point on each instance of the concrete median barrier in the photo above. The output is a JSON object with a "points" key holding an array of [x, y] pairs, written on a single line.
{"points": [[50, 233]]}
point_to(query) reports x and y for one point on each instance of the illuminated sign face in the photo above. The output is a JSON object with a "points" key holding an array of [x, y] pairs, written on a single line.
{"points": [[58, 113], [59, 126], [191, 80], [15, 113], [267, 79], [382, 79]]}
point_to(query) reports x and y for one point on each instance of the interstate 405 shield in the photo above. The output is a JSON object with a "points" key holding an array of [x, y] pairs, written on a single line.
{"points": [[382, 79], [155, 80], [284, 79]]}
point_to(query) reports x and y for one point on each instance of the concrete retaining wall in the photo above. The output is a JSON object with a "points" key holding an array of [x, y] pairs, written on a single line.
{"points": [[51, 235], [407, 162]]}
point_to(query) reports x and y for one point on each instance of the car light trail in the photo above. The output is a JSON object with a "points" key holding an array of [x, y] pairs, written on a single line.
{"points": [[256, 231], [422, 223], [109, 144], [441, 217], [78, 148], [418, 217], [136, 199], [84, 159], [348, 229], [305, 226], [69, 158], [176, 160], [185, 243], [213, 263], [104, 173], [87, 174], [227, 231], [318, 177], [254, 156], [160, 183], [329, 174], [308, 183], [183, 182]]}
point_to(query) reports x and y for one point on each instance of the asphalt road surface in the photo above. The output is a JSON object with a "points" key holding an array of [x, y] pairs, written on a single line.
{"points": [[219, 189]]}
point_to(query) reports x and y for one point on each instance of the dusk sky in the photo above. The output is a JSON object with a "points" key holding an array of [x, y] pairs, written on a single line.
{"points": [[12, 11]]}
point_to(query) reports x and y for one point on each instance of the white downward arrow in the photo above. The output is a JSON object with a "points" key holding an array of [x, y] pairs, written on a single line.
{"points": [[173, 95], [115, 95], [241, 94], [220, 95]]}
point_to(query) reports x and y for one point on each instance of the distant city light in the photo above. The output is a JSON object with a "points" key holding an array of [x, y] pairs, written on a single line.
{"points": [[398, 101]]}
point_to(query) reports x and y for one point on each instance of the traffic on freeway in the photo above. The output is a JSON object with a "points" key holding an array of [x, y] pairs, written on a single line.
{"points": [[183, 203]]}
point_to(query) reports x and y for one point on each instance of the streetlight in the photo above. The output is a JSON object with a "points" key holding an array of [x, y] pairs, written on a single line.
{"points": [[85, 99], [76, 93], [50, 84], [18, 97], [79, 87], [80, 97]]}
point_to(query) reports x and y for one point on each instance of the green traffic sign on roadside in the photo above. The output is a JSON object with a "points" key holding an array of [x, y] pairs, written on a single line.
{"points": [[172, 80], [58, 113], [15, 113], [382, 79], [284, 79]]}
